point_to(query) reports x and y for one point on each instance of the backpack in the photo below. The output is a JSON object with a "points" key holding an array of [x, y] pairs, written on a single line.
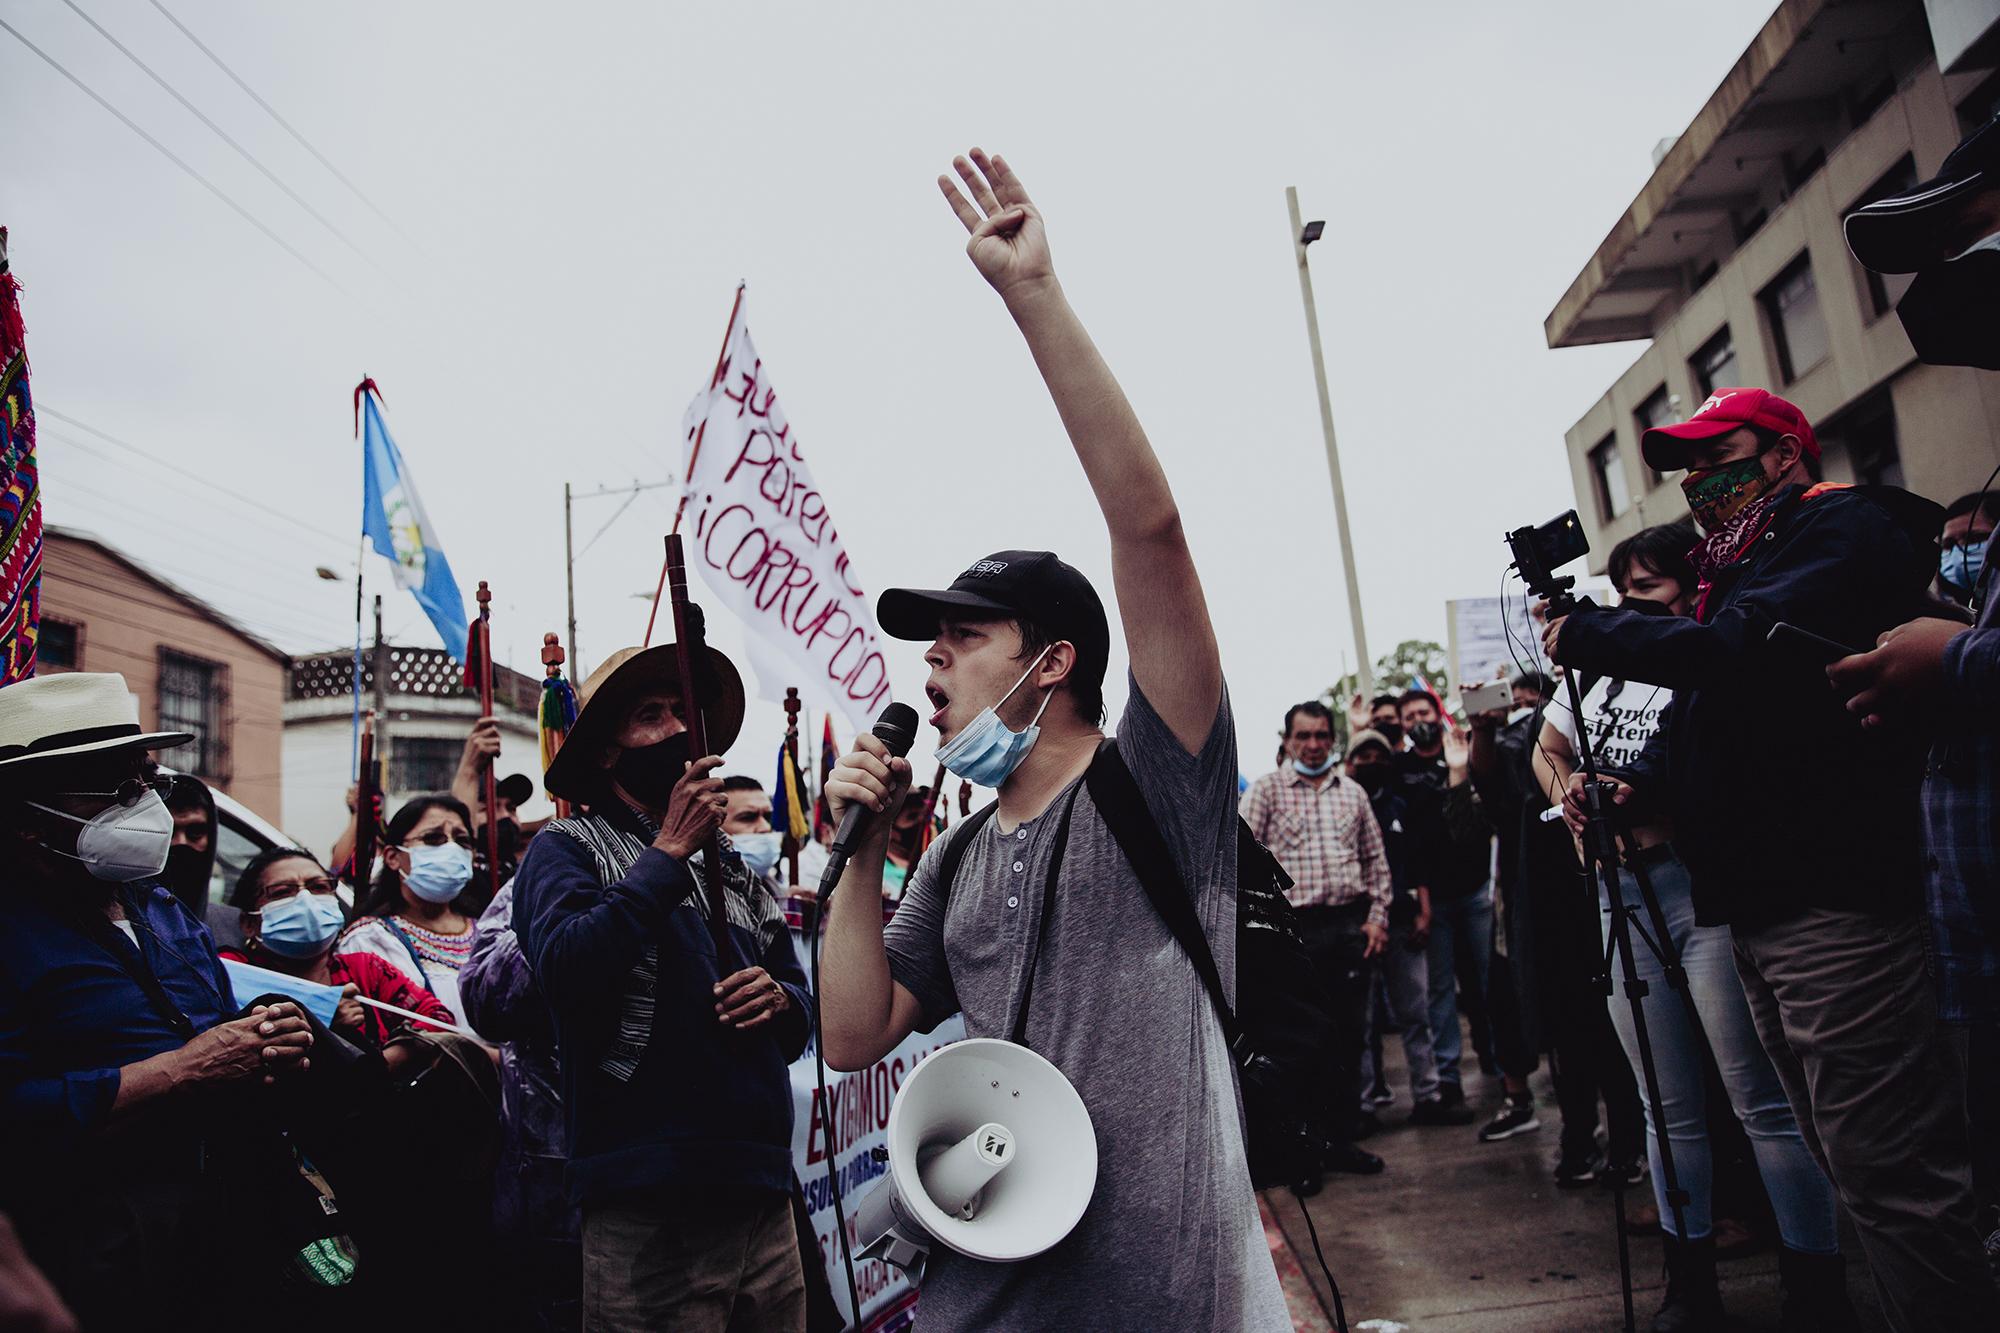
{"points": [[1281, 1032]]}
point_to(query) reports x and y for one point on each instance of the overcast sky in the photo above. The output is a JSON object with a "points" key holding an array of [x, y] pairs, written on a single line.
{"points": [[571, 193]]}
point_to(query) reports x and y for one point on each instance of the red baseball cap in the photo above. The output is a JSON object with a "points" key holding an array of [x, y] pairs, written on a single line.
{"points": [[1726, 410]]}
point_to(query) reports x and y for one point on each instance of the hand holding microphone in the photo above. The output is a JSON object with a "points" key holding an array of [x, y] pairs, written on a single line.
{"points": [[870, 780]]}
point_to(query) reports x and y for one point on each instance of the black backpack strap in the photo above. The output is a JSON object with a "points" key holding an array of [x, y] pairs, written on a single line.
{"points": [[957, 843], [1119, 800]]}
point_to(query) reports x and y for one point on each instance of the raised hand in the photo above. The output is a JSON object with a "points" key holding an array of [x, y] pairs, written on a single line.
{"points": [[1009, 245]]}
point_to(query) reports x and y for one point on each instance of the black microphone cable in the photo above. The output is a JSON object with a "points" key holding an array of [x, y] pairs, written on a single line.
{"points": [[897, 729]]}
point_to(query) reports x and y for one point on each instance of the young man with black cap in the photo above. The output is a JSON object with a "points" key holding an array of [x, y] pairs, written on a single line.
{"points": [[1799, 829], [674, 1061], [1018, 649]]}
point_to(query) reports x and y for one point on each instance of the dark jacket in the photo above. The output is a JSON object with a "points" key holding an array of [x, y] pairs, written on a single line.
{"points": [[1404, 843], [1779, 801], [1456, 834], [706, 1109]]}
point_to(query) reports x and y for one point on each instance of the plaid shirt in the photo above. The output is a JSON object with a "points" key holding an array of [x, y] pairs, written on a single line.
{"points": [[1962, 825], [1326, 838]]}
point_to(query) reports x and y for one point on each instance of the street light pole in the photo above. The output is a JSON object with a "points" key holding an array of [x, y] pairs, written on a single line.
{"points": [[1302, 236]]}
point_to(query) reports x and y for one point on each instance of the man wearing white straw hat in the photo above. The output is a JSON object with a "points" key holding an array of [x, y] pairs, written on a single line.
{"points": [[675, 1062], [134, 1121]]}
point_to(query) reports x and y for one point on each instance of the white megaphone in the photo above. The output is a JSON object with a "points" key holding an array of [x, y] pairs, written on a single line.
{"points": [[990, 1152]]}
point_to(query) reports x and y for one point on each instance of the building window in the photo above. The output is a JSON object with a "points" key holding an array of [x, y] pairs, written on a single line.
{"points": [[1607, 474], [58, 646], [1885, 289], [423, 763], [1660, 409], [1866, 433], [192, 699], [1791, 304], [1714, 365]]}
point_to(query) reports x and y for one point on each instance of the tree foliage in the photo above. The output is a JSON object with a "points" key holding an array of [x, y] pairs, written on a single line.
{"points": [[1393, 673]]}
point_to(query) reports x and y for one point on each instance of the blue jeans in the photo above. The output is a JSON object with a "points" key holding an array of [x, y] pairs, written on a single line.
{"points": [[1463, 925], [1801, 1195]]}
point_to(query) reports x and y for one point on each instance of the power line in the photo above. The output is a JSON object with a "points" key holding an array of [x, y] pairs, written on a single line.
{"points": [[170, 155], [43, 409], [223, 135], [284, 124]]}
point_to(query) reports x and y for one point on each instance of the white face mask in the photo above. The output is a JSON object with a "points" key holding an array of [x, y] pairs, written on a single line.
{"points": [[122, 843], [760, 851]]}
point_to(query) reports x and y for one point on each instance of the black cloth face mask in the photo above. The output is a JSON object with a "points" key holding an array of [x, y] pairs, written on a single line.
{"points": [[649, 772], [1426, 734]]}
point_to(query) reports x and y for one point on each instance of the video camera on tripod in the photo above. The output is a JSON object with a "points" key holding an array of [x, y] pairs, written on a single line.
{"points": [[1538, 553]]}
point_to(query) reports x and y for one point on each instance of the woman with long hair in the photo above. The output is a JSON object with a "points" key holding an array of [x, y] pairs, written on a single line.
{"points": [[412, 918]]}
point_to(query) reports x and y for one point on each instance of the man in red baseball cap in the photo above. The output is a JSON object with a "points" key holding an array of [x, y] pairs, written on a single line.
{"points": [[1800, 832]]}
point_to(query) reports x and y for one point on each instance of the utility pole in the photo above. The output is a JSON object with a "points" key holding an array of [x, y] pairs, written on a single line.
{"points": [[569, 580], [1303, 235], [570, 552]]}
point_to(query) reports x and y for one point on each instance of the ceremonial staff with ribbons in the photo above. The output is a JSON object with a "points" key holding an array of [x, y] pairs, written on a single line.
{"points": [[479, 665], [791, 783]]}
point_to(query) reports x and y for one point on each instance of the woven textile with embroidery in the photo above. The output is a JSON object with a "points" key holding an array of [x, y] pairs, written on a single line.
{"points": [[20, 492]]}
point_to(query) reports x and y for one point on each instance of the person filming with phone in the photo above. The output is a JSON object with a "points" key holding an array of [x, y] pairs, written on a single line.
{"points": [[1799, 829]]}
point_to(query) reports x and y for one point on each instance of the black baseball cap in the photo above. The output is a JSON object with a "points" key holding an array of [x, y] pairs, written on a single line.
{"points": [[1925, 225], [516, 787], [1012, 585]]}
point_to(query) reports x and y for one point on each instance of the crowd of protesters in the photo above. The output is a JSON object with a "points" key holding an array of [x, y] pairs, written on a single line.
{"points": [[388, 1094]]}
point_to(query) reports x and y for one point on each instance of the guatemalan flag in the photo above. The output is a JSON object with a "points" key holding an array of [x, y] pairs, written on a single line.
{"points": [[393, 518]]}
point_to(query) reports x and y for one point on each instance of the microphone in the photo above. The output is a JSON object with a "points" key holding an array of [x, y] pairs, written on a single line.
{"points": [[897, 729]]}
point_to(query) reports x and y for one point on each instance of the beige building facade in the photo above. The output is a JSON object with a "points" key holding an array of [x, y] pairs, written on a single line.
{"points": [[189, 666], [1731, 262]]}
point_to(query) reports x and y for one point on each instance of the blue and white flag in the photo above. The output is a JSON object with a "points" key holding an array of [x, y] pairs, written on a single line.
{"points": [[393, 518]]}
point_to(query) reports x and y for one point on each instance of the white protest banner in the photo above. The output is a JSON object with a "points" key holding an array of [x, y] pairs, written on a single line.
{"points": [[766, 546]]}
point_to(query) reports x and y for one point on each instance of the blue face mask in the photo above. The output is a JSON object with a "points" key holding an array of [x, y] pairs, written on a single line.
{"points": [[438, 874], [301, 926], [1316, 771], [1960, 566], [986, 751], [759, 851]]}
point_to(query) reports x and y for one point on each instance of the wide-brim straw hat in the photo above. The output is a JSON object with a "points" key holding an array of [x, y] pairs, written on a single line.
{"points": [[574, 774], [72, 713]]}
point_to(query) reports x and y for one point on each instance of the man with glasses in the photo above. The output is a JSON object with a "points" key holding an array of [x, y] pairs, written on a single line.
{"points": [[119, 1053]]}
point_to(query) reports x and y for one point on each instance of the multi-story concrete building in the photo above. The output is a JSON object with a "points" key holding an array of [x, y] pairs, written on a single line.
{"points": [[1731, 261]]}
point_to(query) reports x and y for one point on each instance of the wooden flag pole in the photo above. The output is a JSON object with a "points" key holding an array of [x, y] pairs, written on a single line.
{"points": [[694, 455], [793, 792], [362, 857], [964, 799], [486, 711], [931, 801], [690, 646], [552, 665]]}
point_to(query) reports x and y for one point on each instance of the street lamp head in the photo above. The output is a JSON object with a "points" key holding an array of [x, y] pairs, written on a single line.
{"points": [[1312, 232]]}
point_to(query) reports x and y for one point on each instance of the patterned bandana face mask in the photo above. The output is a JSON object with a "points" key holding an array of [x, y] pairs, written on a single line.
{"points": [[1717, 494]]}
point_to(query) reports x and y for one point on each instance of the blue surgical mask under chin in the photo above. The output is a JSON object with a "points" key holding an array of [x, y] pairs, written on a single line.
{"points": [[759, 851], [1318, 770], [986, 752], [1960, 566], [438, 874], [301, 926]]}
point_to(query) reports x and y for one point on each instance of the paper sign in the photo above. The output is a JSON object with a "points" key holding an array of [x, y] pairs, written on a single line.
{"points": [[250, 981], [764, 543]]}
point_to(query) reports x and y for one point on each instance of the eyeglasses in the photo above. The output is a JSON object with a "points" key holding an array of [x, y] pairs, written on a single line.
{"points": [[437, 837], [129, 792], [286, 888]]}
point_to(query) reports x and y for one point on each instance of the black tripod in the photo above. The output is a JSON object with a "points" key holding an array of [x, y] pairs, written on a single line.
{"points": [[1601, 844]]}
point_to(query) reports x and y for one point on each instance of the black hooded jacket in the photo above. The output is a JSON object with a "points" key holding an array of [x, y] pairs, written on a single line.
{"points": [[1779, 800]]}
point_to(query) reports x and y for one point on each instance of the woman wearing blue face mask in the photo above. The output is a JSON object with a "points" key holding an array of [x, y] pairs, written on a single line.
{"points": [[411, 918], [291, 917]]}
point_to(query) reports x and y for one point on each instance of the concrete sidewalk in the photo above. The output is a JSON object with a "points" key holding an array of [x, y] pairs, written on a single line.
{"points": [[1459, 1236]]}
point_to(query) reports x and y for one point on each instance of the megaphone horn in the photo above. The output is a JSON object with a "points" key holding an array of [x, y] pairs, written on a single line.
{"points": [[1001, 1152]]}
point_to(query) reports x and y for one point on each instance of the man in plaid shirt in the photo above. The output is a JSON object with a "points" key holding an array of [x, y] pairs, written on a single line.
{"points": [[1322, 830]]}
